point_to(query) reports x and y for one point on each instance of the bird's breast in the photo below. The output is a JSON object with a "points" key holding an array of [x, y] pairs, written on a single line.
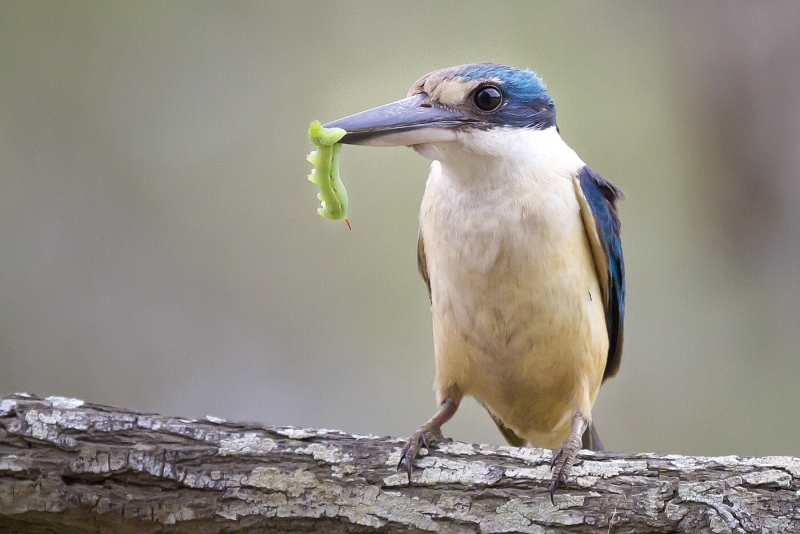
{"points": [[517, 310]]}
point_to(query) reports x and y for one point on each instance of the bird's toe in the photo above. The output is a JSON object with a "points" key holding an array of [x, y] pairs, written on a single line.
{"points": [[424, 437]]}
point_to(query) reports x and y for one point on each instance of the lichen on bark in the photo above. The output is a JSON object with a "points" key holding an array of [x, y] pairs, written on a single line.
{"points": [[70, 466]]}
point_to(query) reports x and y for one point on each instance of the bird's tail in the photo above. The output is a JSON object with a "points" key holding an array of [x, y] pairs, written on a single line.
{"points": [[591, 440]]}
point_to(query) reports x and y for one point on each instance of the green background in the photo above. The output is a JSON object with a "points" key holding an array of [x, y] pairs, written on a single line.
{"points": [[160, 248]]}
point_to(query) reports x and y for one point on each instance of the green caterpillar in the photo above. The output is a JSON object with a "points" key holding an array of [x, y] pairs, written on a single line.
{"points": [[326, 171]]}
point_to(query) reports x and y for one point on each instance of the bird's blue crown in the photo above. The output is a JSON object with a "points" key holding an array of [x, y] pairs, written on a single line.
{"points": [[527, 102]]}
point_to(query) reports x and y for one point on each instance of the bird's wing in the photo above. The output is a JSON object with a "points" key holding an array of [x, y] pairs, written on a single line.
{"points": [[597, 198], [422, 264]]}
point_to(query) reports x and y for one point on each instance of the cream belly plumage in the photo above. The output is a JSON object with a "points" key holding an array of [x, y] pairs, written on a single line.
{"points": [[517, 310]]}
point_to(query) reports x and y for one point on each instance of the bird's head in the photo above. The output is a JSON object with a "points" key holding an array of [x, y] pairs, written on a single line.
{"points": [[475, 106]]}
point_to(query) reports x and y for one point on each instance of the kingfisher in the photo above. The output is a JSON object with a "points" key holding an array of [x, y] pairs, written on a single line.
{"points": [[519, 246]]}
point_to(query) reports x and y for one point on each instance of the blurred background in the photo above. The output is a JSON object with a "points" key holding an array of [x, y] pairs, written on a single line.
{"points": [[160, 248]]}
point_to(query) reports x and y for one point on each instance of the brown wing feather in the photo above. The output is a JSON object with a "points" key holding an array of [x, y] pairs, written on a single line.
{"points": [[422, 264], [602, 231]]}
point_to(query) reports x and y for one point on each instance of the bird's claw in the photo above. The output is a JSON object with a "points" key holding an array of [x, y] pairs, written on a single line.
{"points": [[424, 437], [562, 462]]}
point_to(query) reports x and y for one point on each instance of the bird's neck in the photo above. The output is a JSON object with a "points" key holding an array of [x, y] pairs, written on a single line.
{"points": [[505, 158]]}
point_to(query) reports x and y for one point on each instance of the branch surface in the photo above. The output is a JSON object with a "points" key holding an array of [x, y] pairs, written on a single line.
{"points": [[72, 467]]}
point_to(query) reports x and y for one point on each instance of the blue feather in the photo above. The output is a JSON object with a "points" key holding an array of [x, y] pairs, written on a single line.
{"points": [[527, 103], [601, 196]]}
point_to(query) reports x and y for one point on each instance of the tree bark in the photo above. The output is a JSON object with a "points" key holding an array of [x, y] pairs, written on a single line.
{"points": [[71, 467]]}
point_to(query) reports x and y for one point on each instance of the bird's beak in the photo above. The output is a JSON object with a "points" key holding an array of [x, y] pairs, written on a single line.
{"points": [[411, 121]]}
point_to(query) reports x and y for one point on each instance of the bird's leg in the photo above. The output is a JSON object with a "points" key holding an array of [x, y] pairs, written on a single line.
{"points": [[564, 457], [427, 434]]}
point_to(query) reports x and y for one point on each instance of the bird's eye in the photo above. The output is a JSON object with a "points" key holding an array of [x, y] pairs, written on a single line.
{"points": [[488, 98]]}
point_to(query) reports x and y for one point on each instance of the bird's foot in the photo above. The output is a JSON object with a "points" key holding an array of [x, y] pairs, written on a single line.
{"points": [[424, 437], [563, 459], [429, 433], [564, 456]]}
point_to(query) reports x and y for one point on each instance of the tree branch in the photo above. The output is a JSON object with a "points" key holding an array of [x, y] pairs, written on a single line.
{"points": [[71, 467]]}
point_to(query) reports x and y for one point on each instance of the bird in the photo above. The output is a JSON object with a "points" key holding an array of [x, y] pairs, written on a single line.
{"points": [[519, 247]]}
